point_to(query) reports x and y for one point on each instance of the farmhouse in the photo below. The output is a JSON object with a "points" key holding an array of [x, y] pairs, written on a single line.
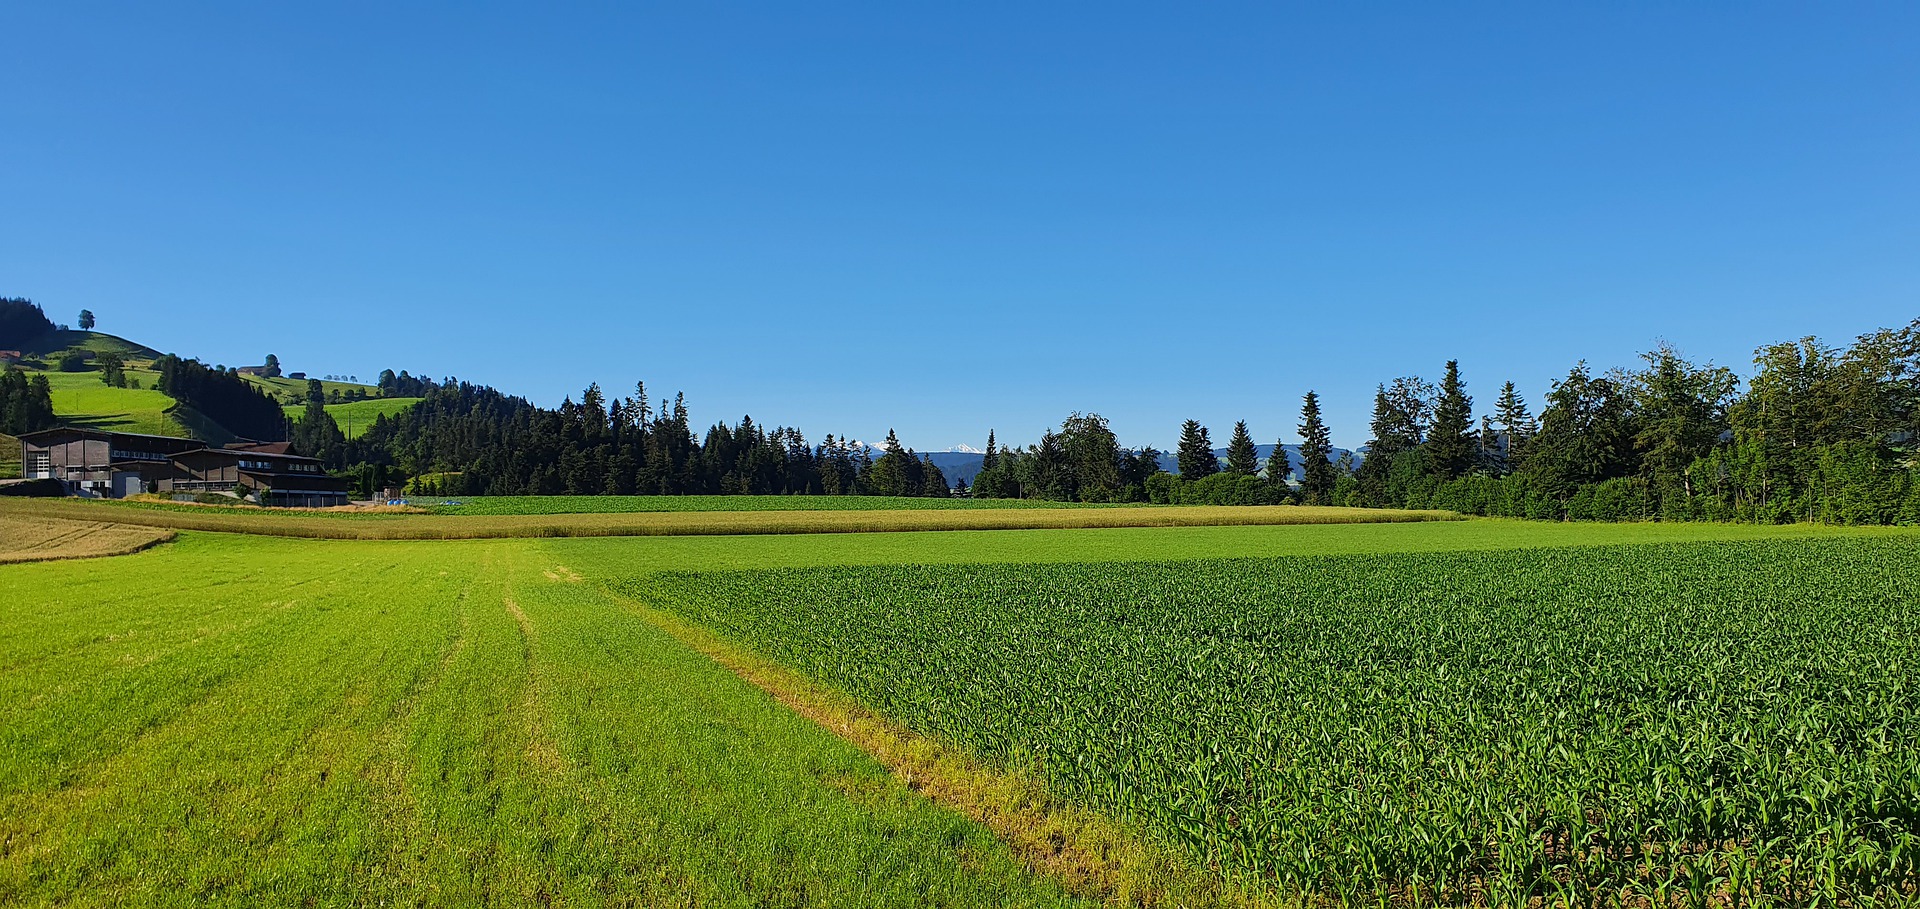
{"points": [[99, 463]]}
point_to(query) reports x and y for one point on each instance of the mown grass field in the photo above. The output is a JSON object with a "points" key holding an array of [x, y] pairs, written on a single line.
{"points": [[79, 398], [244, 720], [356, 417], [360, 525]]}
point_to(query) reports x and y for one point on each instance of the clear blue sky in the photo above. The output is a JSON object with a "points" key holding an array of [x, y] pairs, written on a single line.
{"points": [[945, 218]]}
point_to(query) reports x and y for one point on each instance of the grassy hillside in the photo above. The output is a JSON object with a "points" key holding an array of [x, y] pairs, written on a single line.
{"points": [[79, 398], [356, 416], [295, 390], [99, 342]]}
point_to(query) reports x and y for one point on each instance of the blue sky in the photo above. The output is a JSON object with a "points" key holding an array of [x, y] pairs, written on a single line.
{"points": [[949, 218]]}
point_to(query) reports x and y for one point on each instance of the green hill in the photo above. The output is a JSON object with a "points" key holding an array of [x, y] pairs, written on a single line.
{"points": [[293, 391], [80, 399], [355, 417], [99, 342]]}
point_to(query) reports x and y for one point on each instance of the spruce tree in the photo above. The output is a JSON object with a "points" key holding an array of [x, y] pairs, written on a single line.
{"points": [[1449, 450], [1196, 457], [1517, 424], [1242, 458], [1316, 447], [1278, 467], [992, 456]]}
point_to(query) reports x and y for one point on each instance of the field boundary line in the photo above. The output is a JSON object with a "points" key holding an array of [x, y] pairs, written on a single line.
{"points": [[1090, 854]]}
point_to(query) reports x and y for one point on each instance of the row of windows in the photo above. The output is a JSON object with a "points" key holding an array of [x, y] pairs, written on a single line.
{"points": [[120, 455], [289, 468]]}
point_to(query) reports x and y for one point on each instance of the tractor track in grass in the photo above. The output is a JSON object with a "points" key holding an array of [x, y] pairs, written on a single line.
{"points": [[1091, 855]]}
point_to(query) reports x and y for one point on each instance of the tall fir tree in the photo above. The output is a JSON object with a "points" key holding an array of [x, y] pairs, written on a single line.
{"points": [[1278, 466], [1517, 426], [1242, 458], [1196, 457], [1317, 477], [1449, 447]]}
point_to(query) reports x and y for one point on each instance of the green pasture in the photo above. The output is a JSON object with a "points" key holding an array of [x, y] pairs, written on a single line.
{"points": [[296, 389], [356, 417], [233, 719], [79, 398], [242, 721]]}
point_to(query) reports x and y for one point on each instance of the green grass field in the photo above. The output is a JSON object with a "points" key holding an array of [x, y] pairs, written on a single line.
{"points": [[356, 417], [79, 398], [518, 505], [245, 721], [97, 341], [241, 720], [10, 457], [296, 389]]}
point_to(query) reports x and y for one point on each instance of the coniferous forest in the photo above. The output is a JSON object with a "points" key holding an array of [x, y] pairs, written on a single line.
{"points": [[1816, 433]]}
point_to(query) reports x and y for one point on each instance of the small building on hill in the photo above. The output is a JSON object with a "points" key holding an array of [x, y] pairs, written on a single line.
{"points": [[11, 357], [102, 464]]}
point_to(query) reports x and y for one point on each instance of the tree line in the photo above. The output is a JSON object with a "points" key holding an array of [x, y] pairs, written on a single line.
{"points": [[467, 439], [22, 321], [222, 396], [26, 405], [1819, 433]]}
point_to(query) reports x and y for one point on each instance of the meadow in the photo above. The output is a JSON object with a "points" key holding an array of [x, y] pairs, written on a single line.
{"points": [[1210, 715], [79, 398], [243, 721], [354, 417]]}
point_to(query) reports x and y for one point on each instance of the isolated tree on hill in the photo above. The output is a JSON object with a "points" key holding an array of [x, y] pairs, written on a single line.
{"points": [[1449, 450], [272, 368], [1316, 448], [86, 320], [1195, 456], [1242, 458]]}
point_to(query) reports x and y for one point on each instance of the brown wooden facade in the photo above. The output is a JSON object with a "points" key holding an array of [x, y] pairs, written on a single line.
{"points": [[106, 464]]}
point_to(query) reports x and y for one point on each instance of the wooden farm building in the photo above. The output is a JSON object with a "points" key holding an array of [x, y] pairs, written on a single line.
{"points": [[102, 464]]}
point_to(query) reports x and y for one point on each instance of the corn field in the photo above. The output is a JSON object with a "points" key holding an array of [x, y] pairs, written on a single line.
{"points": [[1703, 724]]}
